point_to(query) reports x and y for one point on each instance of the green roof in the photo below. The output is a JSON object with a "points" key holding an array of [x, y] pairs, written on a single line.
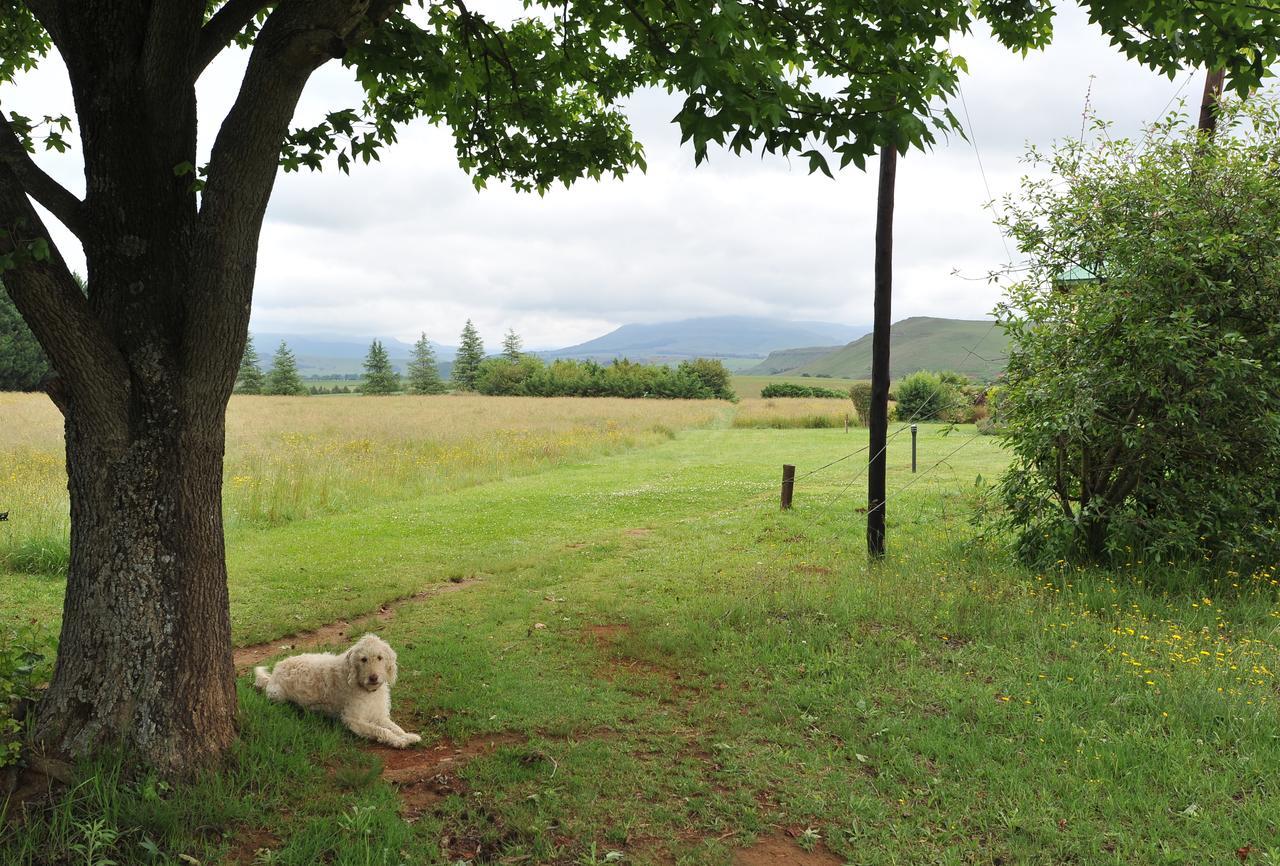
{"points": [[1077, 275]]}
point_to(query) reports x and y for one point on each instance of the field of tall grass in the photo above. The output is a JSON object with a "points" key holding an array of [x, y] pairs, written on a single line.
{"points": [[791, 413], [290, 458]]}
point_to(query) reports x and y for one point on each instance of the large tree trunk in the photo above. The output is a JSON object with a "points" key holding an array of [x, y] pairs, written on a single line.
{"points": [[145, 653]]}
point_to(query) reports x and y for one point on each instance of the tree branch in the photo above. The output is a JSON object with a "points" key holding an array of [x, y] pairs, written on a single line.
{"points": [[48, 192], [217, 33], [93, 376], [297, 38]]}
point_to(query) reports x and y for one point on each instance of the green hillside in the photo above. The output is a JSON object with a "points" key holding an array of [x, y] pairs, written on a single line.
{"points": [[922, 343], [782, 360]]}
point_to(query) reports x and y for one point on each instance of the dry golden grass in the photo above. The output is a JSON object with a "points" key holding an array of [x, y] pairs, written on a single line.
{"points": [[294, 457], [788, 412]]}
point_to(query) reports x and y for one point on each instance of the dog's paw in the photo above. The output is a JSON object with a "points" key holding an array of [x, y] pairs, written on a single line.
{"points": [[412, 738]]}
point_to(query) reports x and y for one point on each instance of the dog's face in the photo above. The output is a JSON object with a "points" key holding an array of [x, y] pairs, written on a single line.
{"points": [[371, 663]]}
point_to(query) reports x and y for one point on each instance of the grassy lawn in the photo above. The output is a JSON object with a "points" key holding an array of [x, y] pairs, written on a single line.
{"points": [[657, 666]]}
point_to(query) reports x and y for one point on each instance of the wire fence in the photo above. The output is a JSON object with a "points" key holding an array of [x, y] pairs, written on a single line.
{"points": [[831, 503]]}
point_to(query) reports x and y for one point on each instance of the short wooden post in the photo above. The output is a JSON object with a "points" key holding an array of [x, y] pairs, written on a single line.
{"points": [[788, 484], [913, 448], [846, 423]]}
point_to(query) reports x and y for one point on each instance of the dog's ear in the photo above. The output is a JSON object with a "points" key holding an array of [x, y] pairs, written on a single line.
{"points": [[393, 669], [352, 667]]}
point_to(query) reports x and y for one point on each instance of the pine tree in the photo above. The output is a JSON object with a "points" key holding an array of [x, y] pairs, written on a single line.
{"points": [[22, 362], [284, 378], [512, 346], [424, 375], [466, 366], [379, 376], [250, 379]]}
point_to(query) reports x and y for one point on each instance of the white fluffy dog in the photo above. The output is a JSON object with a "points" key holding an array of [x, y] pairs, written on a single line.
{"points": [[355, 687]]}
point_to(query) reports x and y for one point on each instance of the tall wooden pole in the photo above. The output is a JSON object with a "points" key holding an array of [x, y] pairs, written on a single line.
{"points": [[879, 421], [1213, 82]]}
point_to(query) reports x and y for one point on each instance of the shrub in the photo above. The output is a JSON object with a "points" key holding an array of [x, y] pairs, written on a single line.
{"points": [[712, 373], [1143, 406], [790, 389], [21, 653], [926, 396], [860, 394]]}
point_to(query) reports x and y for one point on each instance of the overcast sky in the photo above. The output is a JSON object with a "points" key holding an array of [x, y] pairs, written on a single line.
{"points": [[407, 245]]}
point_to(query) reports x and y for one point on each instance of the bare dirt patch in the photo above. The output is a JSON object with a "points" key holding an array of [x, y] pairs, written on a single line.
{"points": [[608, 633], [606, 636], [638, 532], [424, 777], [247, 844], [778, 849], [340, 631]]}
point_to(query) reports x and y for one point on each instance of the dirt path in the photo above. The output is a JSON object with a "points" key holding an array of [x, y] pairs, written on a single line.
{"points": [[339, 631]]}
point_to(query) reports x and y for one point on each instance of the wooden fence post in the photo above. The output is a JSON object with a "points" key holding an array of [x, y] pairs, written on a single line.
{"points": [[788, 484]]}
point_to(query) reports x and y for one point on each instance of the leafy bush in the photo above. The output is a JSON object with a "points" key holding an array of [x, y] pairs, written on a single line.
{"points": [[712, 373], [1143, 405], [21, 653], [530, 376], [928, 396], [860, 394], [790, 389]]}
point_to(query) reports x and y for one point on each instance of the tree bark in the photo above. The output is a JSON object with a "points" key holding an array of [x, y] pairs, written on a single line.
{"points": [[879, 420], [145, 654]]}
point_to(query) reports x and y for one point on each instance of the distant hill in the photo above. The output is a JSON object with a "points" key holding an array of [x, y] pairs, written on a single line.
{"points": [[329, 355], [919, 343], [712, 337], [784, 360]]}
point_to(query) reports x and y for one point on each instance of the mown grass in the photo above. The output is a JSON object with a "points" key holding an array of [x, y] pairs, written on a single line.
{"points": [[290, 458], [757, 675]]}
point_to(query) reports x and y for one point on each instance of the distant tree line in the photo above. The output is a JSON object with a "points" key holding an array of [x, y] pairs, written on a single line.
{"points": [[513, 372]]}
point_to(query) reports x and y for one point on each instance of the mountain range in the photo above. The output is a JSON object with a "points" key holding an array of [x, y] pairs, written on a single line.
{"points": [[739, 340], [719, 337], [333, 355]]}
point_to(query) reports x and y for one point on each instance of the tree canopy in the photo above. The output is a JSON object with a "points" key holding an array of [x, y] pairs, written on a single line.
{"points": [[534, 101]]}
